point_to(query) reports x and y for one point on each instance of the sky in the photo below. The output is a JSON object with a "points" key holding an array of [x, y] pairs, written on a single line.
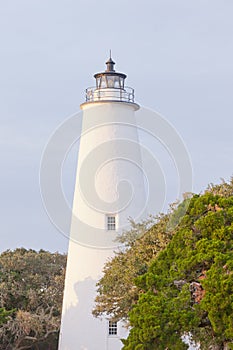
{"points": [[177, 55]]}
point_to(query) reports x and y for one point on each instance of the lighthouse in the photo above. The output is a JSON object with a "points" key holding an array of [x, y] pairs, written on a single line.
{"points": [[109, 190]]}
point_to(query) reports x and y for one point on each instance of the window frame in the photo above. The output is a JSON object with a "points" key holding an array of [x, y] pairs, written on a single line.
{"points": [[112, 328], [111, 222]]}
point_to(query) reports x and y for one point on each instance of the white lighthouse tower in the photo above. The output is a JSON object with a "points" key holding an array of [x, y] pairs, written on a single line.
{"points": [[109, 189]]}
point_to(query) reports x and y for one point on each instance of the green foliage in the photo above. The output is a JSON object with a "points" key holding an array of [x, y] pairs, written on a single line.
{"points": [[117, 291], [4, 315], [32, 284], [189, 285]]}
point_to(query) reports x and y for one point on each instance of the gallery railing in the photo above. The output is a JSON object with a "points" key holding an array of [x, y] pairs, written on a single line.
{"points": [[94, 94]]}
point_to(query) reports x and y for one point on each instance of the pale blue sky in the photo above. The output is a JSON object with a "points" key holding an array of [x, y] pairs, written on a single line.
{"points": [[177, 54]]}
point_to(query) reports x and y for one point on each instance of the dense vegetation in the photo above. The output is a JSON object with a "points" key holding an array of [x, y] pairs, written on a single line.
{"points": [[117, 291], [172, 279], [31, 289], [180, 284]]}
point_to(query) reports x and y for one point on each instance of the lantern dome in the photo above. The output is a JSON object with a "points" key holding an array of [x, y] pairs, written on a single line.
{"points": [[110, 86]]}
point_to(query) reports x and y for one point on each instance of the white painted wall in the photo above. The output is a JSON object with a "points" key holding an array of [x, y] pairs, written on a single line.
{"points": [[109, 180]]}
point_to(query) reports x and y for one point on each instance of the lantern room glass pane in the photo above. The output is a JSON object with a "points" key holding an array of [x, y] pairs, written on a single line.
{"points": [[117, 82], [110, 81], [98, 80], [103, 83], [121, 82]]}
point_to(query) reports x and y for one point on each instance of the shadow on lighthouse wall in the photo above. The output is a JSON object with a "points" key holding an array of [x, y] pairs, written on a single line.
{"points": [[79, 325]]}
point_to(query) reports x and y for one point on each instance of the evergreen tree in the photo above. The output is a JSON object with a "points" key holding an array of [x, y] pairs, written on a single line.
{"points": [[188, 287]]}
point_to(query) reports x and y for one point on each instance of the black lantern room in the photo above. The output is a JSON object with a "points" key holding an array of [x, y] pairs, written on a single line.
{"points": [[110, 78]]}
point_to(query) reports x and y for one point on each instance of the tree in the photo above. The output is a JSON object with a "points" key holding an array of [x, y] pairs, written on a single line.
{"points": [[189, 285], [32, 284], [224, 189], [117, 291]]}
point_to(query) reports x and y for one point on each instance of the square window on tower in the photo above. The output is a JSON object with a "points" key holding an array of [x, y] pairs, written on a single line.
{"points": [[111, 223], [112, 328]]}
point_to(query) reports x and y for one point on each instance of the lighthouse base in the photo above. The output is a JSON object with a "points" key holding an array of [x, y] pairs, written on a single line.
{"points": [[80, 330]]}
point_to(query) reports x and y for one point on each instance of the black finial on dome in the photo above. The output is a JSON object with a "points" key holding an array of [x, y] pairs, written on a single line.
{"points": [[110, 64]]}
